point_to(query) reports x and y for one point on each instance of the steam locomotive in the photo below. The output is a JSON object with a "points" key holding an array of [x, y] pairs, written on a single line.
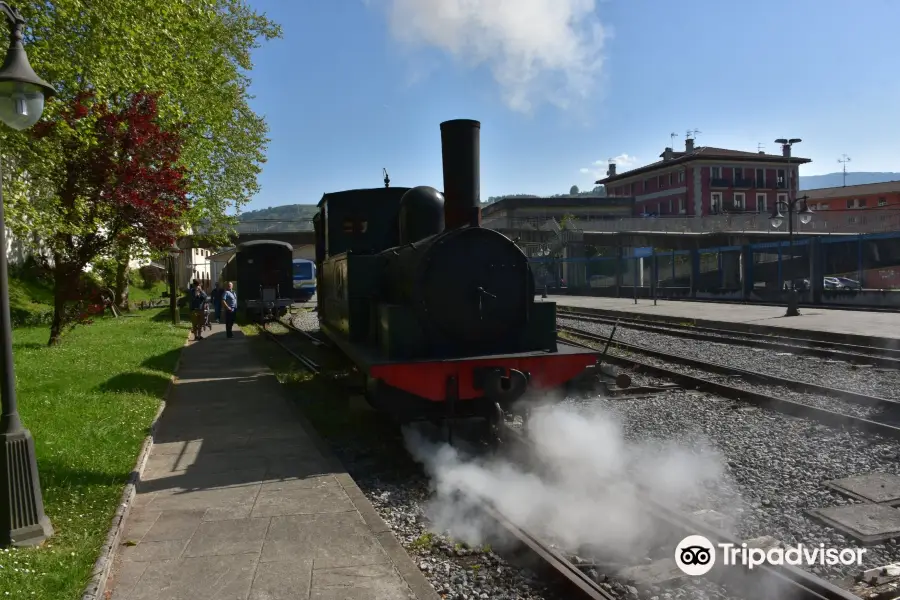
{"points": [[437, 312]]}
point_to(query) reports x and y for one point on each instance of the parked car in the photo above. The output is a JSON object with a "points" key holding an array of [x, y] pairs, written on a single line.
{"points": [[849, 284], [832, 283]]}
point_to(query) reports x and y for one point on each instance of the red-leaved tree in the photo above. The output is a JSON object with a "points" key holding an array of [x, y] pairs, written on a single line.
{"points": [[115, 184]]}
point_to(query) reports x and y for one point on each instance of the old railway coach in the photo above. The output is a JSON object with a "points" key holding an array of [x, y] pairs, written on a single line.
{"points": [[263, 272], [436, 311]]}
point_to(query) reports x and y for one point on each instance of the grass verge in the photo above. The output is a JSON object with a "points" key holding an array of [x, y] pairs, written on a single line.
{"points": [[88, 404]]}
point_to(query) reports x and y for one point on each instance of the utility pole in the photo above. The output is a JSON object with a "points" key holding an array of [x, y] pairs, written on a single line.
{"points": [[844, 160]]}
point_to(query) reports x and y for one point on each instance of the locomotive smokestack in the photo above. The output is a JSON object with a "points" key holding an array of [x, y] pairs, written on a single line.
{"points": [[460, 148]]}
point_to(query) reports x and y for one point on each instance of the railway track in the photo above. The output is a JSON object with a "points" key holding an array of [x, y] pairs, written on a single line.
{"points": [[578, 577], [855, 354], [767, 582], [850, 409]]}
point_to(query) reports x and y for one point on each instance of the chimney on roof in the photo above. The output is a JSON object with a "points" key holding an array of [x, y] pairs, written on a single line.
{"points": [[611, 172], [667, 154], [786, 150], [689, 145]]}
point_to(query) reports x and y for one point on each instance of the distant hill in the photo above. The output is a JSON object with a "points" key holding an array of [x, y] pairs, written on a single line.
{"points": [[812, 182], [288, 212]]}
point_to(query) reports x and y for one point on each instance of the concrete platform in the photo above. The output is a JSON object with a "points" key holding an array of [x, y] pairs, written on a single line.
{"points": [[240, 499], [848, 326]]}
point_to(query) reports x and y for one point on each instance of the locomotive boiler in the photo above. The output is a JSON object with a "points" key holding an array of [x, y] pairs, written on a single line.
{"points": [[437, 312]]}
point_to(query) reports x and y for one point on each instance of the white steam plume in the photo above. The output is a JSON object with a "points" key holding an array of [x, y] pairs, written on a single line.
{"points": [[585, 495], [537, 50]]}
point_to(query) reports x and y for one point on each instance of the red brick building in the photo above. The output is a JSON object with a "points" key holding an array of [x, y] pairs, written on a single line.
{"points": [[707, 181]]}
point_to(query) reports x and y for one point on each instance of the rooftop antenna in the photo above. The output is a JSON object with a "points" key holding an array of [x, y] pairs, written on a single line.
{"points": [[672, 137], [692, 133], [387, 179], [759, 148], [844, 159]]}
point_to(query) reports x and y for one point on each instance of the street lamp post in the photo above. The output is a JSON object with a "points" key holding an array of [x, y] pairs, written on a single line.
{"points": [[777, 218], [173, 252], [24, 523]]}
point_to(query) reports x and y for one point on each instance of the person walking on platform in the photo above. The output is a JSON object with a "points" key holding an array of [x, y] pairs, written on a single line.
{"points": [[217, 301], [229, 305], [198, 299]]}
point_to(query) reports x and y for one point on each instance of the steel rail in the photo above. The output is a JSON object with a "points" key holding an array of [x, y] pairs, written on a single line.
{"points": [[756, 376], [884, 357], [308, 364], [721, 336], [789, 407], [803, 585]]}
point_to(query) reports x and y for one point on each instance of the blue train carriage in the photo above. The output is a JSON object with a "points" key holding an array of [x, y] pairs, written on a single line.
{"points": [[304, 275], [265, 278]]}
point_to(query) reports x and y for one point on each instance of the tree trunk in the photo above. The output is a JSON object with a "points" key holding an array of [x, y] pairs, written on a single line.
{"points": [[60, 294], [121, 297]]}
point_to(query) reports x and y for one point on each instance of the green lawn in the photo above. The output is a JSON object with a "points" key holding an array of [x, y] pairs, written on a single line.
{"points": [[88, 404]]}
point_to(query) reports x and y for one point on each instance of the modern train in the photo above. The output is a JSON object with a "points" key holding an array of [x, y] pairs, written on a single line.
{"points": [[304, 274], [437, 312]]}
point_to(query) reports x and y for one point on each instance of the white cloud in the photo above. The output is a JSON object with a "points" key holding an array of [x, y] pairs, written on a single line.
{"points": [[598, 169], [537, 50]]}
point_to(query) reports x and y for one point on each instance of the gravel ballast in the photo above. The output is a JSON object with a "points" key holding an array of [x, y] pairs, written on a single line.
{"points": [[775, 465], [882, 383]]}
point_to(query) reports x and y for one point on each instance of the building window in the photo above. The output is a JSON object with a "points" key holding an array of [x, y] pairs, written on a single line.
{"points": [[715, 172], [738, 200], [681, 176], [760, 178], [762, 203], [882, 202], [680, 205], [671, 178], [782, 200], [780, 181], [628, 189], [856, 203], [647, 185], [715, 202], [661, 180], [670, 203], [738, 173]]}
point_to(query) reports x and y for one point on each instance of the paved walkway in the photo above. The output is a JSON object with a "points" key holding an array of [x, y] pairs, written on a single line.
{"points": [[847, 322], [240, 501]]}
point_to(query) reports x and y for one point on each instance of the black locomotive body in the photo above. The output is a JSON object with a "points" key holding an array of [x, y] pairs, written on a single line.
{"points": [[438, 312], [263, 273]]}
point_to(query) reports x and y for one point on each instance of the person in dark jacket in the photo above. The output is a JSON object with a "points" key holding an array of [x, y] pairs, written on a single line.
{"points": [[216, 297], [198, 300]]}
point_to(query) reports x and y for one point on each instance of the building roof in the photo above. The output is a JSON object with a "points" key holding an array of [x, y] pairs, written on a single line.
{"points": [[705, 153], [554, 202], [851, 191], [253, 243]]}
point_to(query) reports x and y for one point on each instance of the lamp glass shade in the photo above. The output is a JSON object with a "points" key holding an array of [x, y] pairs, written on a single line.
{"points": [[776, 222], [21, 104], [805, 217]]}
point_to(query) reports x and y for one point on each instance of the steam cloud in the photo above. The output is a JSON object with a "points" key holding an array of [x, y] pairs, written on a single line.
{"points": [[584, 496], [538, 50]]}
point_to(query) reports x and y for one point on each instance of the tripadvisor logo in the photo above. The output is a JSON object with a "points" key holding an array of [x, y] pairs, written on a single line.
{"points": [[696, 555]]}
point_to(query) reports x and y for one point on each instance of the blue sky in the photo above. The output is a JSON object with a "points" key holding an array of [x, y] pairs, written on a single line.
{"points": [[560, 86]]}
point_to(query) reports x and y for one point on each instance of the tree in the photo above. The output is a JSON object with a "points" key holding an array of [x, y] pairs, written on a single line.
{"points": [[573, 191], [198, 51], [121, 186]]}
